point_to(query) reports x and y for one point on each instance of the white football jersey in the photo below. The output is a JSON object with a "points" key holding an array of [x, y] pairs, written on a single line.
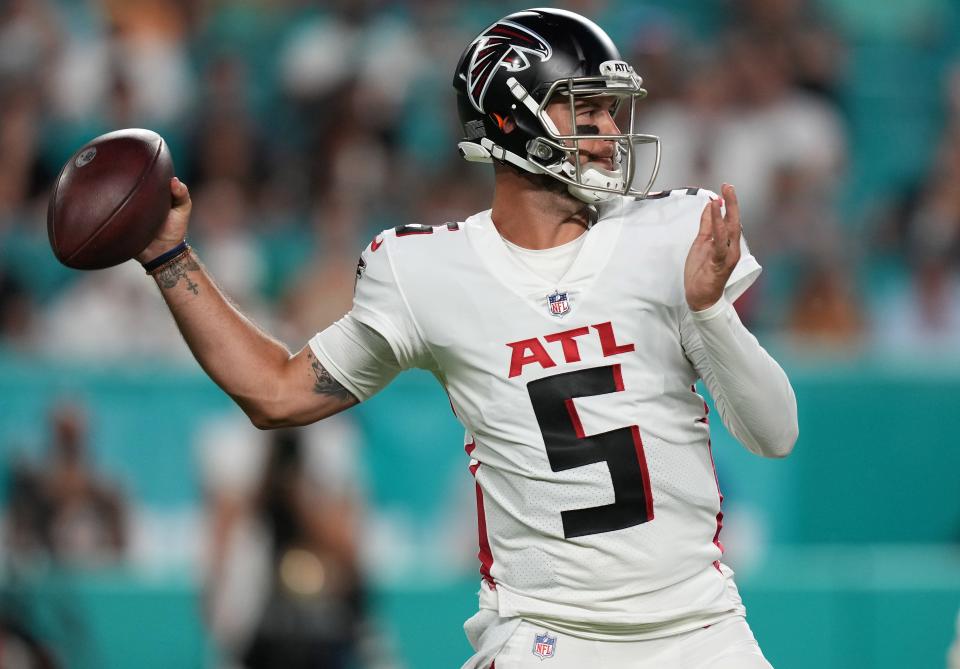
{"points": [[597, 496]]}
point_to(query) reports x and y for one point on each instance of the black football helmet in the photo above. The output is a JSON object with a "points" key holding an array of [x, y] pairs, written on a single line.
{"points": [[528, 59]]}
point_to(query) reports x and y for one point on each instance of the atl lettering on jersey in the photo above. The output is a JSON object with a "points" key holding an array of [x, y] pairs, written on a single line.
{"points": [[534, 351]]}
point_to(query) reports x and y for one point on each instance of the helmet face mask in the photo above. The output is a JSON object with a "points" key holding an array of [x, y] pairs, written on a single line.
{"points": [[521, 65], [586, 180]]}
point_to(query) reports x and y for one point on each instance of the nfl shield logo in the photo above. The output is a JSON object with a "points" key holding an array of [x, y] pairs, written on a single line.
{"points": [[559, 304], [544, 645]]}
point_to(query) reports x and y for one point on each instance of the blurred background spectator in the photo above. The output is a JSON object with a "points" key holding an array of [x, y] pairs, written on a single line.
{"points": [[285, 510], [19, 649], [303, 129], [61, 508]]}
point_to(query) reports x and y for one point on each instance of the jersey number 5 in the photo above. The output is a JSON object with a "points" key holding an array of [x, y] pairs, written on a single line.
{"points": [[568, 447]]}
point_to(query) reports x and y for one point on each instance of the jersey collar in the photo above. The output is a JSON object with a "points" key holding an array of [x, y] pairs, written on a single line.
{"points": [[601, 240]]}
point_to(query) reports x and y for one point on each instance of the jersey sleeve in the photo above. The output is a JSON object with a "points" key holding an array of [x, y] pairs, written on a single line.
{"points": [[744, 274], [356, 355], [751, 391], [380, 304]]}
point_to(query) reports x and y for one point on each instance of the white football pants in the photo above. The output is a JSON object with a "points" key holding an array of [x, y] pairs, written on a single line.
{"points": [[728, 644]]}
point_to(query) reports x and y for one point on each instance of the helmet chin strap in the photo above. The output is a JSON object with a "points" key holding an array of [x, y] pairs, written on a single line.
{"points": [[592, 175]]}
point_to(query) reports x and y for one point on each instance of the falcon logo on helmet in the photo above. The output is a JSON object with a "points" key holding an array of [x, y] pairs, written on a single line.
{"points": [[504, 44]]}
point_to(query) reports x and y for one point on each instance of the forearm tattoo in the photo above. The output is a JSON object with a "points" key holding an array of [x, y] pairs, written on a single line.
{"points": [[170, 275], [326, 384]]}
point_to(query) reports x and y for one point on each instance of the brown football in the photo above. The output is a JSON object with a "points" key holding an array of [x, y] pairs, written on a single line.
{"points": [[110, 199]]}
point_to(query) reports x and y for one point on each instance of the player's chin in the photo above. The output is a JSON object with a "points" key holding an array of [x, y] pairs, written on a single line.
{"points": [[604, 164], [605, 167]]}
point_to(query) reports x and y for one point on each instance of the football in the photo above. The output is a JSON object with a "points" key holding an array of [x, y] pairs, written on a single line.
{"points": [[110, 199]]}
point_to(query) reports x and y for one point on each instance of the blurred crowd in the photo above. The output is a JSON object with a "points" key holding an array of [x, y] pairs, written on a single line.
{"points": [[302, 128], [281, 578]]}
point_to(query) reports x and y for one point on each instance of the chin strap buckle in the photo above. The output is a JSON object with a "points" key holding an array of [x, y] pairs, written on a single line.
{"points": [[474, 153]]}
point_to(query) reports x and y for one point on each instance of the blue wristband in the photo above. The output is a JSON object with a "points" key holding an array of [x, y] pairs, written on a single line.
{"points": [[164, 258]]}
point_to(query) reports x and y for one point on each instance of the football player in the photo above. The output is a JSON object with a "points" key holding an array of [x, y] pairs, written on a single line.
{"points": [[569, 325]]}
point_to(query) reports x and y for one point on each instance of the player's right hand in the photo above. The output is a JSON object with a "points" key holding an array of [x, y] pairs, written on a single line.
{"points": [[174, 228]]}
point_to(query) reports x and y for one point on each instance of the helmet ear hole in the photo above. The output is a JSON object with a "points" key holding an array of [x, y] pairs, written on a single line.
{"points": [[540, 152]]}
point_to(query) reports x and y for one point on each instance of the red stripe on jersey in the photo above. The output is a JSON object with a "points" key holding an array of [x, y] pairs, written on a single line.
{"points": [[642, 460], [716, 537], [485, 555], [706, 410], [618, 378], [574, 418], [638, 447], [469, 448]]}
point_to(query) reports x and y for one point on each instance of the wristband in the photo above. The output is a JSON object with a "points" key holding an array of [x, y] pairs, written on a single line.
{"points": [[164, 258]]}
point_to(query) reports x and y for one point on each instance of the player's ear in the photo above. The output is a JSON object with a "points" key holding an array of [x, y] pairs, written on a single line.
{"points": [[505, 123]]}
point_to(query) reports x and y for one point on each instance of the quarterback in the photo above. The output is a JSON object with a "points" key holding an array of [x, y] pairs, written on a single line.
{"points": [[569, 325]]}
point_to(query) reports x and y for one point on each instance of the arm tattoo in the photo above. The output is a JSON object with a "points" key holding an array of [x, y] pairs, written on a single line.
{"points": [[170, 275], [326, 384]]}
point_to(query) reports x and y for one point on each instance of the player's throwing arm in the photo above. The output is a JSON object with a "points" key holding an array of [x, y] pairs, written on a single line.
{"points": [[116, 199], [274, 388]]}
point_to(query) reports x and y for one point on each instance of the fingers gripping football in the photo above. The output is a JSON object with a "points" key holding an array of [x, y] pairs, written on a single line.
{"points": [[174, 229], [715, 251]]}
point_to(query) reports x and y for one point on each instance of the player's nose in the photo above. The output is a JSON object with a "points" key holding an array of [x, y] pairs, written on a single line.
{"points": [[607, 124]]}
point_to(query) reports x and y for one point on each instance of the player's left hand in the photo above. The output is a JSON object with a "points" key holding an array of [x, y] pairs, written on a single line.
{"points": [[715, 251]]}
